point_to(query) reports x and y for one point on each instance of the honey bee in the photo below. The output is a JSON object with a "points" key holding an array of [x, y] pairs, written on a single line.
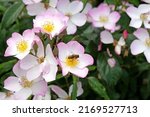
{"points": [[74, 56]]}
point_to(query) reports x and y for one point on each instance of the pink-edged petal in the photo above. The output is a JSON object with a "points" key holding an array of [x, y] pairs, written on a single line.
{"points": [[118, 49], [39, 88], [136, 23], [133, 12], [62, 51], [141, 34], [85, 60], [75, 7], [10, 51], [71, 28], [63, 6], [49, 56], [18, 71], [97, 24], [75, 47], [87, 7], [79, 19], [28, 35], [59, 91], [40, 50], [17, 37], [51, 76], [144, 8], [82, 73], [22, 55], [79, 89], [23, 94], [94, 14], [147, 55], [110, 26], [106, 37], [137, 47], [34, 72], [33, 11], [65, 69], [53, 3], [12, 84], [28, 62], [114, 17], [104, 8]]}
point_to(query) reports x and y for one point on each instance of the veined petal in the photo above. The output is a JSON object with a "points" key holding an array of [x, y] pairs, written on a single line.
{"points": [[137, 47]]}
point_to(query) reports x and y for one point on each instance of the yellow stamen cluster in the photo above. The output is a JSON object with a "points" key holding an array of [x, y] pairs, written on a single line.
{"points": [[22, 46], [25, 83], [48, 27], [103, 19], [72, 61]]}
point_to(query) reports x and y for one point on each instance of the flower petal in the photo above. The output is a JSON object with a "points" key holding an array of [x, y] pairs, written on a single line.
{"points": [[142, 34], [106, 37], [136, 23], [114, 17], [23, 94], [62, 6], [79, 19], [75, 7], [82, 73], [137, 47], [39, 88], [25, 64], [133, 12], [53, 3], [33, 11], [147, 55], [59, 91], [144, 8], [85, 60], [12, 84], [71, 28]]}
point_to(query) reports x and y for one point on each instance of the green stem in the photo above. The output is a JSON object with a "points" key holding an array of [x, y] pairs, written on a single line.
{"points": [[74, 91]]}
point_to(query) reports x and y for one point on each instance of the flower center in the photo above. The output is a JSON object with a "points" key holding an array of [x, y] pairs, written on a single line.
{"points": [[25, 83], [103, 19], [48, 27], [147, 42], [40, 60], [8, 94], [143, 16], [68, 14], [22, 46], [72, 60]]}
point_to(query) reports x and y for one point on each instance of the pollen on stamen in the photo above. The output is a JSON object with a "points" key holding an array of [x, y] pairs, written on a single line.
{"points": [[147, 42], [26, 83], [22, 46], [103, 19], [72, 61], [48, 27]]}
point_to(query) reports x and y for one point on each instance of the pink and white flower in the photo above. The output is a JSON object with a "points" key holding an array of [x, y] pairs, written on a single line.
{"points": [[119, 45], [63, 95], [51, 22], [73, 59], [41, 63], [141, 44], [73, 11], [103, 17], [139, 16], [20, 45], [24, 87]]}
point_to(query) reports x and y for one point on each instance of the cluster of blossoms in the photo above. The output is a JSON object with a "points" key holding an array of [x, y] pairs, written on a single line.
{"points": [[39, 63]]}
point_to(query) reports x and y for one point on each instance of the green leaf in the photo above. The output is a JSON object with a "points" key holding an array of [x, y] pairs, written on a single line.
{"points": [[6, 66], [98, 87], [11, 14], [74, 91], [135, 2], [110, 75]]}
